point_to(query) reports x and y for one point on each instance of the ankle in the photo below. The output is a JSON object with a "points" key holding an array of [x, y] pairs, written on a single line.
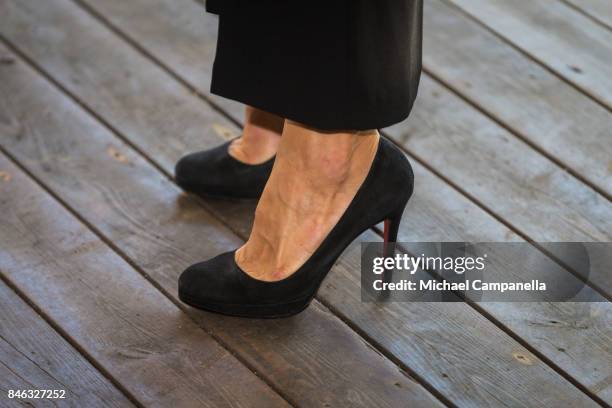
{"points": [[328, 158], [262, 129], [255, 135], [255, 146], [260, 137]]}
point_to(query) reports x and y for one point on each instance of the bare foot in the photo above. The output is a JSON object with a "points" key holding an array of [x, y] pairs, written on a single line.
{"points": [[260, 137], [315, 177]]}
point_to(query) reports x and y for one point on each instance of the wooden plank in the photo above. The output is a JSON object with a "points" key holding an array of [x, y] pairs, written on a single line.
{"points": [[143, 214], [540, 107], [599, 10], [119, 319], [33, 356], [568, 43], [443, 212]]}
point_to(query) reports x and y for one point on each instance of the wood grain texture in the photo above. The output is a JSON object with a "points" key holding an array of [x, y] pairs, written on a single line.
{"points": [[162, 232], [525, 189], [599, 10], [436, 211], [118, 318], [191, 26], [521, 94], [567, 42], [33, 356]]}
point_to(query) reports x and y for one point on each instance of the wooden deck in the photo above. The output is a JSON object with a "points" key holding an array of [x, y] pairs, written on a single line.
{"points": [[510, 139]]}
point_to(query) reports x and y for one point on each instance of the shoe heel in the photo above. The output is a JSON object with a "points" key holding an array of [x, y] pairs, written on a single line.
{"points": [[392, 224]]}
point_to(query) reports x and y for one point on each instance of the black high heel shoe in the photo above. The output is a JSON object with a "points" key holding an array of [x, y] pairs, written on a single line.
{"points": [[219, 285], [215, 174]]}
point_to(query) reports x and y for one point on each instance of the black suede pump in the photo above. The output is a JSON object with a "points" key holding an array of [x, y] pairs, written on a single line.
{"points": [[215, 174], [219, 285]]}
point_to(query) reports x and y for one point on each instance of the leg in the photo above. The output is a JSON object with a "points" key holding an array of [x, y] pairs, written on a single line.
{"points": [[315, 177], [356, 66], [260, 137]]}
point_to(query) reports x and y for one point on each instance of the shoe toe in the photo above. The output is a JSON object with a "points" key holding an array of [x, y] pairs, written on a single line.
{"points": [[207, 281], [205, 172], [188, 280], [186, 170]]}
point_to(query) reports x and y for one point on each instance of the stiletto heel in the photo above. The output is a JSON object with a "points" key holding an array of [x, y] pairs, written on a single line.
{"points": [[219, 285], [391, 229]]}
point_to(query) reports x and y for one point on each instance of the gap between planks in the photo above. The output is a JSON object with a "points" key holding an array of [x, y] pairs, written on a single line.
{"points": [[529, 56], [50, 321], [54, 341], [167, 69], [587, 14], [516, 133]]}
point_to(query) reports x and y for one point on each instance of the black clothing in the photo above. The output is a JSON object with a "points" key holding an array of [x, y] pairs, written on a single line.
{"points": [[334, 64]]}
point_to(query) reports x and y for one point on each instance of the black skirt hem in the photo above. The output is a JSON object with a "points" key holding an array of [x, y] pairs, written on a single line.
{"points": [[312, 118], [343, 65]]}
